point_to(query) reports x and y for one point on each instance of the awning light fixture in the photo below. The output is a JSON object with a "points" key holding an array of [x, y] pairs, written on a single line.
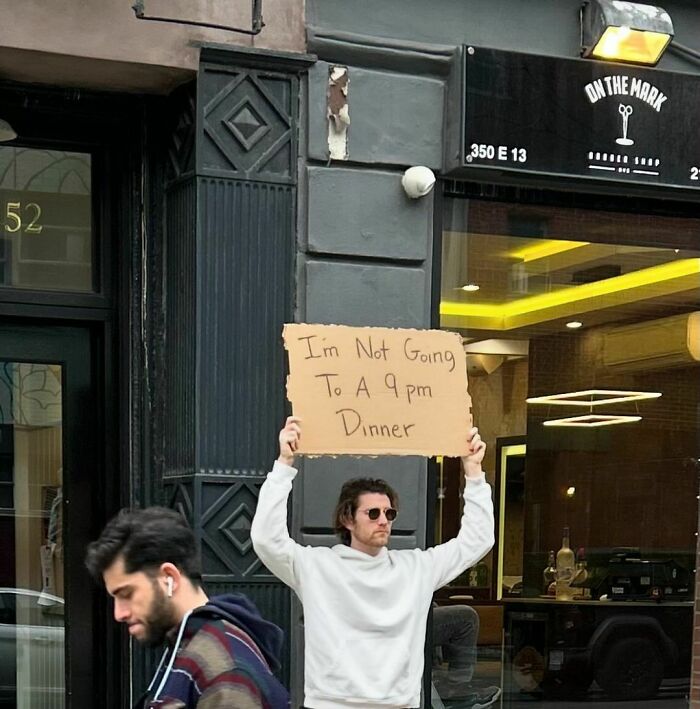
{"points": [[619, 31]]}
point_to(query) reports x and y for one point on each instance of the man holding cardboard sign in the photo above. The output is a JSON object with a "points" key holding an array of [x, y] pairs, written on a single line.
{"points": [[365, 607]]}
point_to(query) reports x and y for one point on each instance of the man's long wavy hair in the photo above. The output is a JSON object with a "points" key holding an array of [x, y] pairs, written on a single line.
{"points": [[348, 499]]}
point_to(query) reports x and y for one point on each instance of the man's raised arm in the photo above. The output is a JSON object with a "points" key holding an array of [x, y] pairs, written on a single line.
{"points": [[476, 532], [269, 533]]}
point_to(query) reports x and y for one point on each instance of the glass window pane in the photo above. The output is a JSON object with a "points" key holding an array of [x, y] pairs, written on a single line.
{"points": [[32, 667], [45, 219], [582, 333]]}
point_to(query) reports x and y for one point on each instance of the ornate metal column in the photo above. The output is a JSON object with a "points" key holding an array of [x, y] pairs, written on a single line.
{"points": [[230, 245]]}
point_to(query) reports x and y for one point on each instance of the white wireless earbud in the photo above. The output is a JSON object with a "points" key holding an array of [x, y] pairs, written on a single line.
{"points": [[170, 586]]}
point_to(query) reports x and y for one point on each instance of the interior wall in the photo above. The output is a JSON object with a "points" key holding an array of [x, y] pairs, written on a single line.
{"points": [[38, 461], [628, 478], [498, 405]]}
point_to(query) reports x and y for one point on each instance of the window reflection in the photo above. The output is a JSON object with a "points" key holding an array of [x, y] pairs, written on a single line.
{"points": [[45, 219], [592, 305], [32, 654]]}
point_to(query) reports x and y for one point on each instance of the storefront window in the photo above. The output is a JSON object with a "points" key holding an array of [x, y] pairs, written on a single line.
{"points": [[582, 333], [32, 640], [45, 219]]}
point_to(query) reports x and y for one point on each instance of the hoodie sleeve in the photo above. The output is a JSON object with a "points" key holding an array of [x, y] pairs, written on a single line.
{"points": [[269, 533], [475, 538]]}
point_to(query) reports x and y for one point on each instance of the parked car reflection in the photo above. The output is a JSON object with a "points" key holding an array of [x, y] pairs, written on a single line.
{"points": [[31, 649]]}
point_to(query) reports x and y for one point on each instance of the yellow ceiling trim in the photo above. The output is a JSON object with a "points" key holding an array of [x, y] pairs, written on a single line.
{"points": [[544, 249], [653, 282]]}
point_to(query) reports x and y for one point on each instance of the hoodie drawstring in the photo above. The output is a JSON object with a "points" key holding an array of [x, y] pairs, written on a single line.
{"points": [[173, 654], [155, 675]]}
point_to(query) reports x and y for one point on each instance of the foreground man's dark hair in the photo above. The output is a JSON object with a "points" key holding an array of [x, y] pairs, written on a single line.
{"points": [[146, 539]]}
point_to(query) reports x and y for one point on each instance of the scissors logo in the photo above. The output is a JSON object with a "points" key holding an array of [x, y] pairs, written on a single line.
{"points": [[625, 112]]}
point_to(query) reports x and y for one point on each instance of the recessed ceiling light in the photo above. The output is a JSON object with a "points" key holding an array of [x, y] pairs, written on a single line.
{"points": [[470, 288], [574, 325]]}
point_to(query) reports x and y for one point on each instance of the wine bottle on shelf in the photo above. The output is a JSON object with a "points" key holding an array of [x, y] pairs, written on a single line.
{"points": [[566, 563], [549, 575]]}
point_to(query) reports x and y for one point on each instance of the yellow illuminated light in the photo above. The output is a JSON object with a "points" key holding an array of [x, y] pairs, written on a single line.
{"points": [[628, 45], [610, 396], [544, 249], [592, 420], [665, 279]]}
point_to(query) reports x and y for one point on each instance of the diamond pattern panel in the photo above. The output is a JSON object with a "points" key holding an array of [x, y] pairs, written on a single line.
{"points": [[180, 498], [181, 142], [220, 509], [227, 513], [249, 125]]}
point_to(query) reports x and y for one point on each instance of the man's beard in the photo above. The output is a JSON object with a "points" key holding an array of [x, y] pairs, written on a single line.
{"points": [[161, 618]]}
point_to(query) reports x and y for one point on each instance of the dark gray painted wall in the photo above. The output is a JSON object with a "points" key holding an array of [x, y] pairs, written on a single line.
{"points": [[538, 26], [394, 119], [372, 216]]}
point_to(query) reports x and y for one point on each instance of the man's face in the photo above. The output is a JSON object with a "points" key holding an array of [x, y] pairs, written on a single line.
{"points": [[141, 602], [369, 535]]}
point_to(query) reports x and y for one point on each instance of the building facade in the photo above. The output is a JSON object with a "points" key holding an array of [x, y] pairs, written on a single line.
{"points": [[172, 194], [560, 240]]}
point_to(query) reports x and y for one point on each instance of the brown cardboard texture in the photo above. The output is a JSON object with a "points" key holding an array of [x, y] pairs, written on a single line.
{"points": [[378, 391]]}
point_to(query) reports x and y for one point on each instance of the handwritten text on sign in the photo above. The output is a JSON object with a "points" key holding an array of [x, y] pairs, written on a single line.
{"points": [[375, 391]]}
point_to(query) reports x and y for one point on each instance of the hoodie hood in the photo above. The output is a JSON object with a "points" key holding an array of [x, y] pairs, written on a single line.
{"points": [[360, 557], [241, 611]]}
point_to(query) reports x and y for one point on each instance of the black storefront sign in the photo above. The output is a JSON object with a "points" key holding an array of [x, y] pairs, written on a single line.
{"points": [[580, 118]]}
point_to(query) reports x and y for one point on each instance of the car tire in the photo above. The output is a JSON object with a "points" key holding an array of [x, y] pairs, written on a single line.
{"points": [[631, 668]]}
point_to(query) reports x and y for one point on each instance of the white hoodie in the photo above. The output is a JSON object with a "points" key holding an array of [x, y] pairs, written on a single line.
{"points": [[365, 616]]}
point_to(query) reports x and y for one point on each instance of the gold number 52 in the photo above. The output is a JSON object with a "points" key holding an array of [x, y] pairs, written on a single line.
{"points": [[14, 218]]}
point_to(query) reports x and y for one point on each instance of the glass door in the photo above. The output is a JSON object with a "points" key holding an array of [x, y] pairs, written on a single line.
{"points": [[48, 477]]}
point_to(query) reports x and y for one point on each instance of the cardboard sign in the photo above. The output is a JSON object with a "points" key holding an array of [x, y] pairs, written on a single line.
{"points": [[378, 391]]}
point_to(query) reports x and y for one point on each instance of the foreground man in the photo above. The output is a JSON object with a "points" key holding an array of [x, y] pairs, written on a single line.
{"points": [[365, 607], [220, 652]]}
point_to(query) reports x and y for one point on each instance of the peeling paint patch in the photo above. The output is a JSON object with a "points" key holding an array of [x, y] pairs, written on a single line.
{"points": [[338, 113]]}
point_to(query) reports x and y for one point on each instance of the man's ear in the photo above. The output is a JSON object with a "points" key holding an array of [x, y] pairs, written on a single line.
{"points": [[170, 577], [348, 521]]}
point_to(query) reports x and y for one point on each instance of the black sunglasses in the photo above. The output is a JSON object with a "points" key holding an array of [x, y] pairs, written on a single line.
{"points": [[374, 512]]}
